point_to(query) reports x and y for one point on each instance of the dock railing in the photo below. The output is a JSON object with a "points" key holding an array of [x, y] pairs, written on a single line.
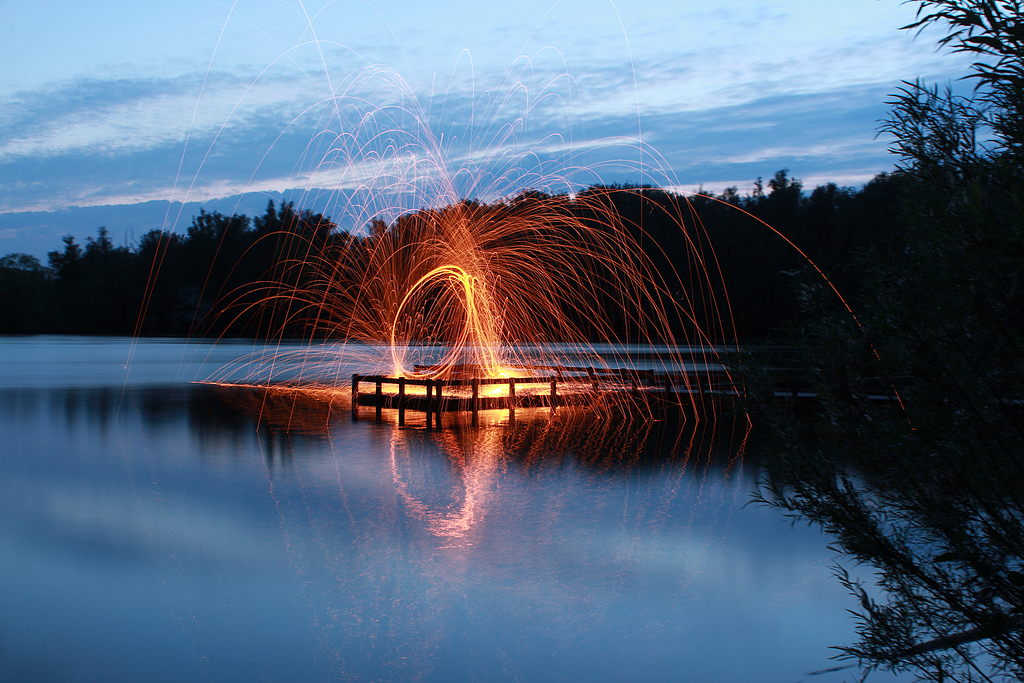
{"points": [[667, 389]]}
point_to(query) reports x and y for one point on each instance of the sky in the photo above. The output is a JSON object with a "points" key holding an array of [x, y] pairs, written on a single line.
{"points": [[134, 115]]}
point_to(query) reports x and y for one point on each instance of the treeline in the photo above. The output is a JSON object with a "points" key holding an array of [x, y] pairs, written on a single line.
{"points": [[757, 240], [231, 275], [166, 285]]}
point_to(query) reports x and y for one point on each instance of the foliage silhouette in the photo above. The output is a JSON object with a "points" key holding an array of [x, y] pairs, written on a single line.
{"points": [[230, 275], [928, 489]]}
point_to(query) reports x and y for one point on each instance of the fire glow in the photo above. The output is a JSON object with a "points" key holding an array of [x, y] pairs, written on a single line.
{"points": [[530, 286], [532, 277]]}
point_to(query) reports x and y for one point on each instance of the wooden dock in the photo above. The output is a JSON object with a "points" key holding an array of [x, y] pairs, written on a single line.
{"points": [[662, 394]]}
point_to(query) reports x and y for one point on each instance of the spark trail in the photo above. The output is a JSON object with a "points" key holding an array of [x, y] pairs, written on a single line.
{"points": [[461, 240]]}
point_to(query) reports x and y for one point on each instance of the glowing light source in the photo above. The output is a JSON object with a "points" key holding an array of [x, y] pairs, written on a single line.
{"points": [[530, 272]]}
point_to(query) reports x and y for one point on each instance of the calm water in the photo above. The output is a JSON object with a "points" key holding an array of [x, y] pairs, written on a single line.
{"points": [[152, 529]]}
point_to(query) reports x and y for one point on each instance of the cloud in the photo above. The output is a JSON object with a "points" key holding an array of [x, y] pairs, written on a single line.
{"points": [[93, 115], [703, 114], [830, 134]]}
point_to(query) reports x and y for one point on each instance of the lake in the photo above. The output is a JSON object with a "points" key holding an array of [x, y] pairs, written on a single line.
{"points": [[157, 529]]}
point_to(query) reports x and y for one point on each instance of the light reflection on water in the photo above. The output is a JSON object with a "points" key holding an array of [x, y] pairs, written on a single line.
{"points": [[179, 532]]}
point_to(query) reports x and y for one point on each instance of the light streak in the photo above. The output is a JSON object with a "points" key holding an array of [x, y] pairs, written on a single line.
{"points": [[483, 250], [530, 278], [497, 290]]}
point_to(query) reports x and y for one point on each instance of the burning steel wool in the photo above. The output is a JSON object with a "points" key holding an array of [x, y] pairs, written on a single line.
{"points": [[535, 274]]}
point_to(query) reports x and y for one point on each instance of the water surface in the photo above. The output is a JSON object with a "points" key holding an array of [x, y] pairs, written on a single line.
{"points": [[154, 529]]}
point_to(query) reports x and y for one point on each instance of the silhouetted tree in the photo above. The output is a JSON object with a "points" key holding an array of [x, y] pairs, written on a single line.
{"points": [[229, 275], [27, 295], [929, 489]]}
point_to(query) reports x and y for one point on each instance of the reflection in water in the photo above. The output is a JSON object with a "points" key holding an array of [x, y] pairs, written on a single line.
{"points": [[516, 550], [475, 461], [235, 534]]}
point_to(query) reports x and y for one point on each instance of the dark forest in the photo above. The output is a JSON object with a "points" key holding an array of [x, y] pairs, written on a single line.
{"points": [[211, 281]]}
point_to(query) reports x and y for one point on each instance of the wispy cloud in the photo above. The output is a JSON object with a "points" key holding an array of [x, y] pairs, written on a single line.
{"points": [[703, 113]]}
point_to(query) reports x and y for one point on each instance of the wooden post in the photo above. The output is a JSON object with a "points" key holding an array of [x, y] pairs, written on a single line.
{"points": [[554, 394], [512, 398], [593, 378], [429, 411], [401, 401], [355, 397], [380, 400], [475, 405], [437, 418]]}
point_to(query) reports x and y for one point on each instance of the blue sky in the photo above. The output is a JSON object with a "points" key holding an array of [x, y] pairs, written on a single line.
{"points": [[132, 114]]}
